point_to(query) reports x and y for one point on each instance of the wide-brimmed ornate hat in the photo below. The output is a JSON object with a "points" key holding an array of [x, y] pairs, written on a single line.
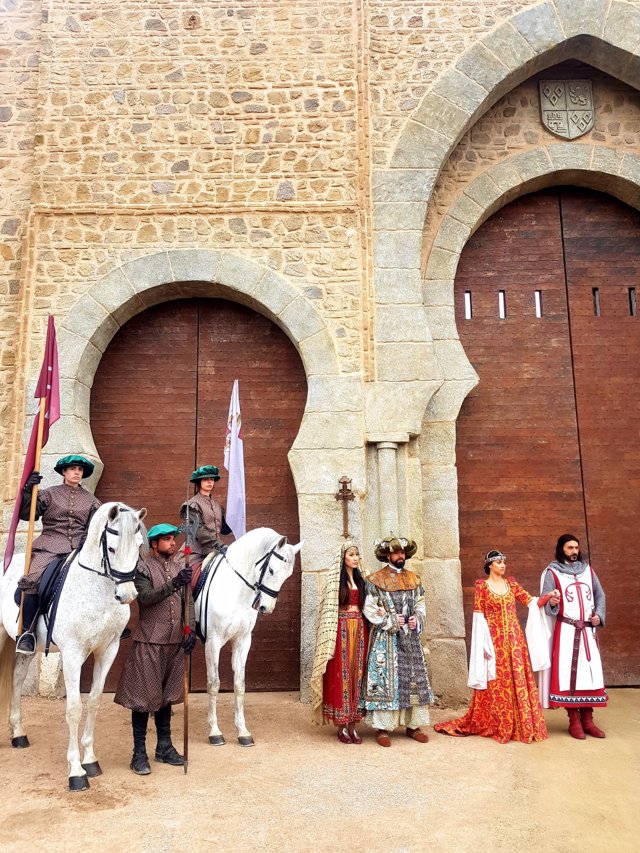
{"points": [[205, 472], [159, 530], [384, 547], [74, 459]]}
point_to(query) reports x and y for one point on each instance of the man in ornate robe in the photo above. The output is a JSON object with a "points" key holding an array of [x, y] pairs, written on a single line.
{"points": [[576, 681], [153, 676], [397, 691]]}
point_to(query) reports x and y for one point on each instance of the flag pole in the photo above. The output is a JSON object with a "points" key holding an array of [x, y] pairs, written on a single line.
{"points": [[34, 499]]}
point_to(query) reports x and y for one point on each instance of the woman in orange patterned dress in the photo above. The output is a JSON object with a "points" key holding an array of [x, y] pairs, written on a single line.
{"points": [[505, 704]]}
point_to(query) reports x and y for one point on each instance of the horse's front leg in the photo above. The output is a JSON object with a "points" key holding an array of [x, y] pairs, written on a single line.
{"points": [[212, 657], [241, 647], [71, 666], [19, 739], [102, 662]]}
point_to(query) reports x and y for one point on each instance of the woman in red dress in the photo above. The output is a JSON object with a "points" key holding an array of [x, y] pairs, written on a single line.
{"points": [[505, 704], [341, 646]]}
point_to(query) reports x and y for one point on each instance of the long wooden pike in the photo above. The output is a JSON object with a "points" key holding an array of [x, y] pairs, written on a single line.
{"points": [[186, 593], [34, 500]]}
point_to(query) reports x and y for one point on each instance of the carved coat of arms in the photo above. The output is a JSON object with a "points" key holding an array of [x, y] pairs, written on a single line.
{"points": [[567, 107]]}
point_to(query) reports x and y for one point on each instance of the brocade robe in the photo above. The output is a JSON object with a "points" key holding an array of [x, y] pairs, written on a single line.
{"points": [[396, 684], [211, 524], [153, 673], [65, 512]]}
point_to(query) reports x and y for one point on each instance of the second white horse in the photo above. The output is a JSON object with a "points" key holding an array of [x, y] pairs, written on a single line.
{"points": [[241, 584]]}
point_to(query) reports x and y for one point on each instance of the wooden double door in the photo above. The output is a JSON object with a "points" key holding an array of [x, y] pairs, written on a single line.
{"points": [[549, 441], [159, 408]]}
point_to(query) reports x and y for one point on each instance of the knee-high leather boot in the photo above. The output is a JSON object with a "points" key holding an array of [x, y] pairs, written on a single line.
{"points": [[575, 725], [26, 642], [586, 716], [140, 761], [165, 750]]}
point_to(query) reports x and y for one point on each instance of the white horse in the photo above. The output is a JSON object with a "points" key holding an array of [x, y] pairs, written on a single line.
{"points": [[241, 583], [93, 610]]}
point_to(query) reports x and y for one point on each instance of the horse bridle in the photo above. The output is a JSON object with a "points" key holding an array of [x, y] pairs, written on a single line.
{"points": [[263, 562], [107, 570]]}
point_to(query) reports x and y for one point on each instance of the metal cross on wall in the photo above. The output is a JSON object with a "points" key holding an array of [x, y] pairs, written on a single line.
{"points": [[345, 494]]}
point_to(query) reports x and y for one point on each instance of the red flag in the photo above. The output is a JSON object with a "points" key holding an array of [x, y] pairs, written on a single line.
{"points": [[48, 387]]}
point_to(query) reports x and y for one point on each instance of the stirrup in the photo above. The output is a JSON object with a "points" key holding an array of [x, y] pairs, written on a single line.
{"points": [[26, 643]]}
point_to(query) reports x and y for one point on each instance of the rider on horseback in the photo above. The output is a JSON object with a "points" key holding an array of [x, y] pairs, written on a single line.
{"points": [[208, 512], [153, 675], [65, 511]]}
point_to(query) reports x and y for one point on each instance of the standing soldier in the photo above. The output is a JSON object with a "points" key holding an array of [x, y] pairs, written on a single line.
{"points": [[577, 683], [153, 675], [65, 511]]}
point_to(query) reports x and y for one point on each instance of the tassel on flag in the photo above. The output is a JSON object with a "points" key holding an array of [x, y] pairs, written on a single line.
{"points": [[236, 515], [47, 389]]}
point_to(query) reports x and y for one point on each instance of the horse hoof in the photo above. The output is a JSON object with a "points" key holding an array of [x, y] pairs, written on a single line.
{"points": [[21, 742], [246, 741], [78, 783], [93, 769], [217, 740]]}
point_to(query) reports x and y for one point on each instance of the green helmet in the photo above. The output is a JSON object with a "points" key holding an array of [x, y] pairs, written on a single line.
{"points": [[74, 459]]}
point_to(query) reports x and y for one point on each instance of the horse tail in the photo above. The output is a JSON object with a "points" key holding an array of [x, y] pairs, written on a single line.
{"points": [[7, 664]]}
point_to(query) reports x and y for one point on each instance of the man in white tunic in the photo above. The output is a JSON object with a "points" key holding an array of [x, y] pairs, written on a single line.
{"points": [[576, 683]]}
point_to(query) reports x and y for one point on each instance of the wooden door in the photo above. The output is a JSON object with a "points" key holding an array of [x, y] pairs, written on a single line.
{"points": [[547, 442], [159, 408]]}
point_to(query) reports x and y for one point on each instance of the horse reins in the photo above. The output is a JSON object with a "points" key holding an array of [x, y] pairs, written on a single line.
{"points": [[107, 570], [263, 562]]}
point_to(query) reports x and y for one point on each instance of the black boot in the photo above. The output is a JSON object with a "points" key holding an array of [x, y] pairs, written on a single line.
{"points": [[140, 761], [165, 750], [26, 642]]}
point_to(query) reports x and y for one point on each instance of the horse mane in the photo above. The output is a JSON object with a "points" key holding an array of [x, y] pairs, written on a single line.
{"points": [[257, 541]]}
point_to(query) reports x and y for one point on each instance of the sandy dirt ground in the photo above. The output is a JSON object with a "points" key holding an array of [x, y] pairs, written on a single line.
{"points": [[299, 789]]}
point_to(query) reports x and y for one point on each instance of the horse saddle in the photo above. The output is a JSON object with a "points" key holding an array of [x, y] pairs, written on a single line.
{"points": [[49, 590]]}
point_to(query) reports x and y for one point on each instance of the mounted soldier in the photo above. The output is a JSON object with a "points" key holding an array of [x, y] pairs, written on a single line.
{"points": [[66, 511], [211, 523], [153, 675]]}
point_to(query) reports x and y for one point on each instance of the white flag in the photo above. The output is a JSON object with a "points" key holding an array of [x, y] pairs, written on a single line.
{"points": [[234, 463]]}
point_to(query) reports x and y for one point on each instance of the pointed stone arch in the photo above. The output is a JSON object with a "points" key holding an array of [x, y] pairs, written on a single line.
{"points": [[602, 33]]}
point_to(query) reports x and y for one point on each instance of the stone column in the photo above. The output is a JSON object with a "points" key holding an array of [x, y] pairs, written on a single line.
{"points": [[388, 486]]}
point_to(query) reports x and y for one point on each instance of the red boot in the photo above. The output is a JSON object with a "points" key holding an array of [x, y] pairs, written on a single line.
{"points": [[575, 725], [586, 717]]}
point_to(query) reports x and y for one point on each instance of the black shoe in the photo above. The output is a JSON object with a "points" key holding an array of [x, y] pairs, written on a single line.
{"points": [[140, 763], [168, 754], [26, 643], [125, 634]]}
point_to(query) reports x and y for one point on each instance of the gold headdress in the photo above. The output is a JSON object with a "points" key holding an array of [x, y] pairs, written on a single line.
{"points": [[384, 547]]}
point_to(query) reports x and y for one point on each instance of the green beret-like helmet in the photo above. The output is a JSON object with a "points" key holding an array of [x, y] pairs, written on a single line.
{"points": [[159, 530], [205, 472], [74, 459]]}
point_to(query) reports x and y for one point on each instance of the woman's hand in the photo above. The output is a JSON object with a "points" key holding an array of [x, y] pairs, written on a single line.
{"points": [[401, 620], [412, 623]]}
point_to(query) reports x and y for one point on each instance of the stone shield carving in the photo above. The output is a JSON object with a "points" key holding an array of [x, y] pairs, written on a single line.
{"points": [[567, 107]]}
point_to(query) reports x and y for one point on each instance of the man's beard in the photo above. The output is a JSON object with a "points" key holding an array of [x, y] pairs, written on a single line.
{"points": [[573, 558], [398, 564]]}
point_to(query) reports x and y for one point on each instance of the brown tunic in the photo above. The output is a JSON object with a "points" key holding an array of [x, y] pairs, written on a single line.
{"points": [[65, 513], [153, 674], [211, 524]]}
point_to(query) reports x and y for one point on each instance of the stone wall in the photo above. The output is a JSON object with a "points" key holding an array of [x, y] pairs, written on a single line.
{"points": [[323, 162]]}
